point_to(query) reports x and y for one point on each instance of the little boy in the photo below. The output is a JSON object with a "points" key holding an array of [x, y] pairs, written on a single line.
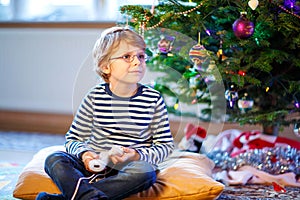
{"points": [[120, 112]]}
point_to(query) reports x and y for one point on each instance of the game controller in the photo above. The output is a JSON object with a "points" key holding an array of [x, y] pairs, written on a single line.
{"points": [[98, 165]]}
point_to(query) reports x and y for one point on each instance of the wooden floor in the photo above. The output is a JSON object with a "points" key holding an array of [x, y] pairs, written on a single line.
{"points": [[34, 121], [60, 123]]}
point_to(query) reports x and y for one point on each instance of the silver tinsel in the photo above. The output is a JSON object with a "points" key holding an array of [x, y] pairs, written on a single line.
{"points": [[277, 160]]}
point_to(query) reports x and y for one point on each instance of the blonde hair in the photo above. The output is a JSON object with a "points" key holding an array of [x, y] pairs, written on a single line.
{"points": [[108, 42]]}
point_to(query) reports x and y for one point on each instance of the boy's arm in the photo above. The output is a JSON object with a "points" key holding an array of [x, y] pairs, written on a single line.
{"points": [[163, 144], [80, 129]]}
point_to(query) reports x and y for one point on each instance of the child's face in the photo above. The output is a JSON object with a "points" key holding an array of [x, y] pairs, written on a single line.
{"points": [[123, 71]]}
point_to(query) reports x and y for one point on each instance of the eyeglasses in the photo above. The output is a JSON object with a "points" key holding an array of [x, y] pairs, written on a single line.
{"points": [[119, 29], [129, 58]]}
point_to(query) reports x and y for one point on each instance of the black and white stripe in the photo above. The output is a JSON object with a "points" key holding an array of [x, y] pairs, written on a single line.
{"points": [[139, 122]]}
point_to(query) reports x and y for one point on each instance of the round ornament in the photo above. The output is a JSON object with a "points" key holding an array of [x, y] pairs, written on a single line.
{"points": [[198, 54], [245, 103], [211, 67], [242, 27], [164, 46], [297, 129], [231, 95]]}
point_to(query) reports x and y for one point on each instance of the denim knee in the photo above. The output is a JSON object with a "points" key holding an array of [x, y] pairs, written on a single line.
{"points": [[54, 158], [141, 171]]}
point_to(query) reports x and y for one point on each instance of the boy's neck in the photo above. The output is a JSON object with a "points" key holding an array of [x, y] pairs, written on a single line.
{"points": [[124, 90]]}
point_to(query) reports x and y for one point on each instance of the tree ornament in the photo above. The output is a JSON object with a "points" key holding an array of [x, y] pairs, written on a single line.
{"points": [[290, 5], [165, 45], [211, 67], [220, 52], [231, 95], [242, 27], [176, 105], [253, 4], [241, 73], [261, 159], [198, 54], [297, 129], [245, 103], [296, 104], [194, 136], [194, 81], [194, 101]]}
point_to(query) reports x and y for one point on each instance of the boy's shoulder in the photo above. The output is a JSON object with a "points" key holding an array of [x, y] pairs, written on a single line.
{"points": [[147, 88], [100, 87]]}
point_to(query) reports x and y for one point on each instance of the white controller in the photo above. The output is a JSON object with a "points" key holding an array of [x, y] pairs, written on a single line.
{"points": [[116, 151], [98, 165]]}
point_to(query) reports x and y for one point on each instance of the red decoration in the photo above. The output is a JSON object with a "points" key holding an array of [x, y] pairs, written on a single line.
{"points": [[243, 28], [278, 188], [241, 73], [257, 140], [194, 136], [193, 130]]}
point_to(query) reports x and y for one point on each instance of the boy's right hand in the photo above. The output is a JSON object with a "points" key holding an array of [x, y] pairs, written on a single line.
{"points": [[87, 157]]}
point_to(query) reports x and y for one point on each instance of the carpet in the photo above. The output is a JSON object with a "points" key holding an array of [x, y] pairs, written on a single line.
{"points": [[16, 150], [24, 141], [258, 192], [9, 173]]}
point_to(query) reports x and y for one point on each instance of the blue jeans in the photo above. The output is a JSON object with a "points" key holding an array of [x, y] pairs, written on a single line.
{"points": [[130, 178]]}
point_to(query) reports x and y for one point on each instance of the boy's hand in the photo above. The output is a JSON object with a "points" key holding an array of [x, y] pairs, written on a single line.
{"points": [[128, 155], [87, 157]]}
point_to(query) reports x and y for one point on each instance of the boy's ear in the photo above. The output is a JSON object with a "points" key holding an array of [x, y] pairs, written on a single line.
{"points": [[105, 69]]}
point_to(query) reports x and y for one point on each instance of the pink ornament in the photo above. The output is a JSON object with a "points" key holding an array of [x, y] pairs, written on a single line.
{"points": [[243, 28]]}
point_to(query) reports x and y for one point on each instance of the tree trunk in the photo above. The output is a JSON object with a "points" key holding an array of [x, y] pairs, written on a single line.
{"points": [[271, 130]]}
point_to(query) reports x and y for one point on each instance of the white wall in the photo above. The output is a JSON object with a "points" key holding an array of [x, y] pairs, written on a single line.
{"points": [[47, 70], [38, 67]]}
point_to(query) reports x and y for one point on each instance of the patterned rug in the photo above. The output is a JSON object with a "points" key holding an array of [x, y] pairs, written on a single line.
{"points": [[16, 149], [25, 141], [9, 173], [258, 192]]}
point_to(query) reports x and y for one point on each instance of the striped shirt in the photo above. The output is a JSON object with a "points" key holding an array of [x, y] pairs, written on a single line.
{"points": [[104, 119]]}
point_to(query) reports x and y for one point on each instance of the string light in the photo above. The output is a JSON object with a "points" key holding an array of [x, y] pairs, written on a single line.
{"points": [[176, 105], [296, 104], [169, 15], [195, 8], [286, 10], [207, 32], [220, 51]]}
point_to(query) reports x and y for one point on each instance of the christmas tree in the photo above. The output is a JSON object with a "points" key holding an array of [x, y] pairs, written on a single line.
{"points": [[246, 56]]}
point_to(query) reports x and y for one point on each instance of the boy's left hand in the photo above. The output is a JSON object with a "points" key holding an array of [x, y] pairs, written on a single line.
{"points": [[128, 155]]}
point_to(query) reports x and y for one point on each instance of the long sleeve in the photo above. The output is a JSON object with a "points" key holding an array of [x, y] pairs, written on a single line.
{"points": [[81, 128], [163, 144]]}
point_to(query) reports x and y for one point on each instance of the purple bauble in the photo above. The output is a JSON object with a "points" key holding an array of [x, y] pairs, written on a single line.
{"points": [[243, 28]]}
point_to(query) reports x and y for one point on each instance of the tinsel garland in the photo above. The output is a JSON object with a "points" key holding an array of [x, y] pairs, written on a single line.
{"points": [[277, 160]]}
